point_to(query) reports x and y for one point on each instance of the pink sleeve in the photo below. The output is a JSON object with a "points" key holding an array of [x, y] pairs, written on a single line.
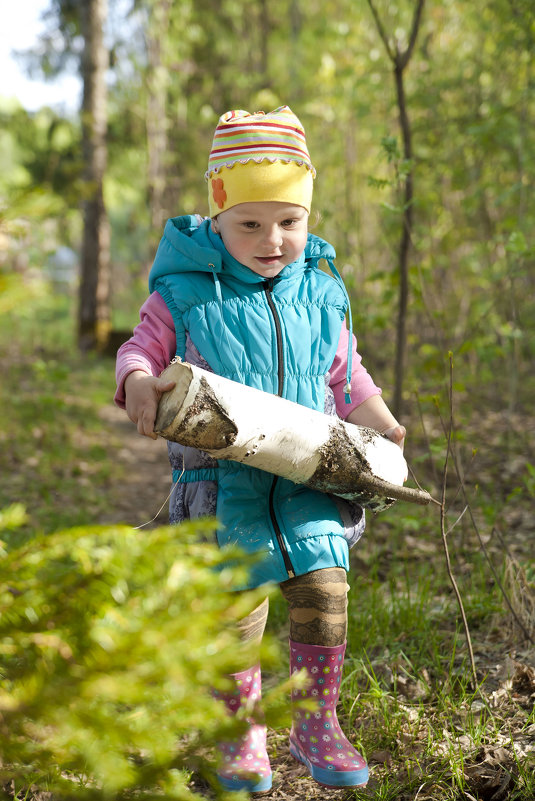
{"points": [[362, 385], [151, 347]]}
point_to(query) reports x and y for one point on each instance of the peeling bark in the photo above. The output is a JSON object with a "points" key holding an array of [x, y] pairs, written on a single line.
{"points": [[229, 420]]}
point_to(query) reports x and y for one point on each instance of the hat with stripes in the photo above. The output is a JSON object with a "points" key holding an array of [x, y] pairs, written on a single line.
{"points": [[258, 157]]}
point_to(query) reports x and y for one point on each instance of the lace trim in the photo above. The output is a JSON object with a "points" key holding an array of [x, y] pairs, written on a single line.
{"points": [[271, 159]]}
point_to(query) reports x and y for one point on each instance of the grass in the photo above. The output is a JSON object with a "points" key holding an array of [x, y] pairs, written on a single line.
{"points": [[407, 694], [52, 458], [407, 699]]}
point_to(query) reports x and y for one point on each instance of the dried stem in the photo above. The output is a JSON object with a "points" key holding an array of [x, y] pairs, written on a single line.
{"points": [[445, 535], [427, 442], [506, 598], [462, 490]]}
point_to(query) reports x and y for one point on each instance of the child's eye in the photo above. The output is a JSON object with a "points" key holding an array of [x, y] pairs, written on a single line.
{"points": [[250, 225], [288, 223]]}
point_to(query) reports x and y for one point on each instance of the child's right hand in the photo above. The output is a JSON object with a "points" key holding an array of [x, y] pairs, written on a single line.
{"points": [[143, 393]]}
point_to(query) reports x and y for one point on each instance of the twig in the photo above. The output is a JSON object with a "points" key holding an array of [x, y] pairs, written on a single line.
{"points": [[444, 534], [503, 543], [526, 633], [382, 32], [462, 489], [429, 498], [427, 442], [448, 532]]}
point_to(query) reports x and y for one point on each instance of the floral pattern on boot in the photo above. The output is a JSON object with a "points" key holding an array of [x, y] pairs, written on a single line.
{"points": [[316, 738], [244, 762]]}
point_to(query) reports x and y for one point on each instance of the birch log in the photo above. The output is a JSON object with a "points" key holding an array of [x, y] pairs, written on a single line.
{"points": [[229, 420]]}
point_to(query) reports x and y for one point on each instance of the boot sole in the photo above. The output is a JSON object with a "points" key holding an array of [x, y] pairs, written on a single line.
{"points": [[255, 786], [332, 778]]}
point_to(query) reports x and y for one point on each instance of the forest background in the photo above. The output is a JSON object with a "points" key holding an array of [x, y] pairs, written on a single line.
{"points": [[419, 120]]}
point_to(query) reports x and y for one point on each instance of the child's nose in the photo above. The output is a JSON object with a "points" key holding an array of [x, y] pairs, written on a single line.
{"points": [[273, 235]]}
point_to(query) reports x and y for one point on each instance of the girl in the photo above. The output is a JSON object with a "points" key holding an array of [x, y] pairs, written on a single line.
{"points": [[241, 294]]}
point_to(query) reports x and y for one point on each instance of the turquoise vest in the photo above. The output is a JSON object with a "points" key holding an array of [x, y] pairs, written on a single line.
{"points": [[278, 335]]}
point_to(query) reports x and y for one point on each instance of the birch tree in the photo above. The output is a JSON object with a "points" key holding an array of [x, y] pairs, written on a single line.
{"points": [[229, 420]]}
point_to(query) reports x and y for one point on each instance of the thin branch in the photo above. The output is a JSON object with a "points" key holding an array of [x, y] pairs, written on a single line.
{"points": [[460, 478], [527, 635], [462, 489], [382, 33], [448, 532], [444, 535], [427, 442], [405, 57], [428, 497], [399, 58], [495, 530]]}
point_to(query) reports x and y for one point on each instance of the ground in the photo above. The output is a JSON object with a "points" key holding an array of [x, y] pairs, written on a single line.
{"points": [[139, 501], [510, 684], [146, 481]]}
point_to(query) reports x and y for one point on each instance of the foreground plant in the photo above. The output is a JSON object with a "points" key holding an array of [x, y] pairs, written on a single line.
{"points": [[110, 640]]}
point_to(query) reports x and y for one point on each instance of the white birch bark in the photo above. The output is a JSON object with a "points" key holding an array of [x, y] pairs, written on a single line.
{"points": [[229, 420]]}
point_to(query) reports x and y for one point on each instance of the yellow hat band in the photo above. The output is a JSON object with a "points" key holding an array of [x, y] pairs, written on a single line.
{"points": [[286, 182]]}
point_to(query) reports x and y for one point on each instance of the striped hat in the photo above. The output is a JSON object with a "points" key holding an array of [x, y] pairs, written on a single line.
{"points": [[257, 157]]}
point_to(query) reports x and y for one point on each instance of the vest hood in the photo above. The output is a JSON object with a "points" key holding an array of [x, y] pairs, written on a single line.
{"points": [[189, 245]]}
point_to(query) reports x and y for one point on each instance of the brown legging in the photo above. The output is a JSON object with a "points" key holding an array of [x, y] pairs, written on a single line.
{"points": [[317, 605]]}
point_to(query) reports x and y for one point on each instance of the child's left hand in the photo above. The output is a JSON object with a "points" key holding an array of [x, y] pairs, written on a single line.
{"points": [[374, 413], [397, 434]]}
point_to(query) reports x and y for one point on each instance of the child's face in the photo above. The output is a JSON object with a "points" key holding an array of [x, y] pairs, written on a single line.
{"points": [[265, 236]]}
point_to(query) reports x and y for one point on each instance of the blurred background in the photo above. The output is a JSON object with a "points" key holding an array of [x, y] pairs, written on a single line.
{"points": [[419, 119]]}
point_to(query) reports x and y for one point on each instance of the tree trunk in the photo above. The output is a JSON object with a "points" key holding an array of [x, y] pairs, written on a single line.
{"points": [[400, 60], [404, 246], [94, 312], [229, 420], [157, 118]]}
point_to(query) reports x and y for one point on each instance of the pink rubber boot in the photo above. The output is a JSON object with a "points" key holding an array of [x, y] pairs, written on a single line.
{"points": [[245, 763], [316, 738]]}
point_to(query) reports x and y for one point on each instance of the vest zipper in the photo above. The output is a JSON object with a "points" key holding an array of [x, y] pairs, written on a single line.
{"points": [[278, 533], [268, 287]]}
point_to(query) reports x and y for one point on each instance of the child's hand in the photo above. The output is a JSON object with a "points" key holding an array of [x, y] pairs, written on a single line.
{"points": [[374, 413], [397, 434], [143, 393]]}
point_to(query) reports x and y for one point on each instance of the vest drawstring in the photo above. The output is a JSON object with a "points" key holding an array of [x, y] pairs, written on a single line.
{"points": [[347, 388], [217, 285]]}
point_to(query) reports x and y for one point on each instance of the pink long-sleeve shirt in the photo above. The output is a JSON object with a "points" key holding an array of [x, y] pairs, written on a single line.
{"points": [[153, 346]]}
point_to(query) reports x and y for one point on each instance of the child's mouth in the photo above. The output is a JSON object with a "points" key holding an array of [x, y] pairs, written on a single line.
{"points": [[269, 259]]}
